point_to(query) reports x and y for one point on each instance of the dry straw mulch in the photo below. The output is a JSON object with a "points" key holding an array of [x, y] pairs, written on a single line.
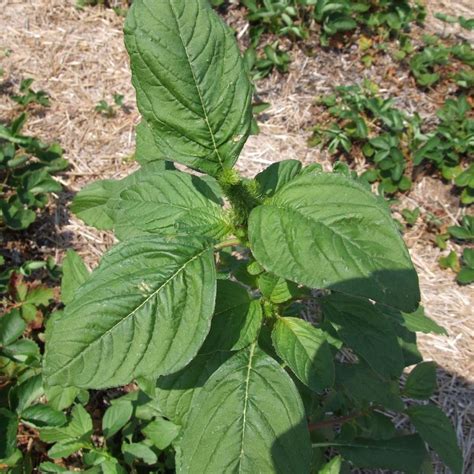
{"points": [[78, 57]]}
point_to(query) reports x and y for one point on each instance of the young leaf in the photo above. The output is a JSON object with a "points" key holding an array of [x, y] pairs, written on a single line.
{"points": [[436, 429], [366, 331], [277, 175], [236, 321], [167, 203], [26, 393], [421, 382], [8, 430], [248, 418], [91, 203], [160, 291], [161, 432], [116, 417], [328, 231], [61, 398], [75, 273], [141, 451], [11, 327], [43, 415], [276, 289], [305, 349], [192, 87], [78, 429], [332, 467], [419, 322], [403, 453], [64, 449]]}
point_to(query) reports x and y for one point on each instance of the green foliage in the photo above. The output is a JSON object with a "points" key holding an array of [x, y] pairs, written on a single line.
{"points": [[386, 17], [27, 166], [108, 110], [29, 96], [372, 124], [467, 23], [466, 273], [391, 140], [201, 302], [427, 64]]}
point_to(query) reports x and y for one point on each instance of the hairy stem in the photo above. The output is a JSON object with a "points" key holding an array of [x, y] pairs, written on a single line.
{"points": [[334, 421], [227, 243]]}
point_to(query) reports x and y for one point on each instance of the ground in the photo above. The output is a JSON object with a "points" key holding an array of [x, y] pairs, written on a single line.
{"points": [[78, 57]]}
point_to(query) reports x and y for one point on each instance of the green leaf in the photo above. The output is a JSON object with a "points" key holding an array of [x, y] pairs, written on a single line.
{"points": [[421, 382], [361, 326], [436, 429], [141, 451], [277, 175], [306, 351], [90, 203], [403, 453], [64, 449], [236, 321], [363, 385], [8, 429], [146, 149], [192, 87], [61, 398], [169, 202], [161, 433], [39, 296], [75, 273], [16, 217], [419, 322], [78, 429], [328, 231], [11, 327], [175, 393], [248, 417], [276, 289], [332, 467], [51, 467], [43, 415], [375, 425], [25, 394], [160, 291], [116, 417]]}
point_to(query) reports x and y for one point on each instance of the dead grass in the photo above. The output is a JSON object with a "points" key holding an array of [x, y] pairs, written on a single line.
{"points": [[78, 57]]}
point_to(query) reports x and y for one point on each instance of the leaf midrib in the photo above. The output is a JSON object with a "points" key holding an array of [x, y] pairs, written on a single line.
{"points": [[201, 97], [246, 404]]}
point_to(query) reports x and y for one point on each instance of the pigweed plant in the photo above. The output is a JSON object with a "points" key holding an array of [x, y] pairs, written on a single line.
{"points": [[267, 321]]}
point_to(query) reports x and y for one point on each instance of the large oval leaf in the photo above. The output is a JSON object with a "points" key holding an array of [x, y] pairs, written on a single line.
{"points": [[191, 85], [145, 311], [169, 202], [328, 231], [248, 418]]}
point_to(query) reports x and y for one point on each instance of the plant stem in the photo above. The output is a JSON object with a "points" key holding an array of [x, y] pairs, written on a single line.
{"points": [[227, 243], [334, 421]]}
